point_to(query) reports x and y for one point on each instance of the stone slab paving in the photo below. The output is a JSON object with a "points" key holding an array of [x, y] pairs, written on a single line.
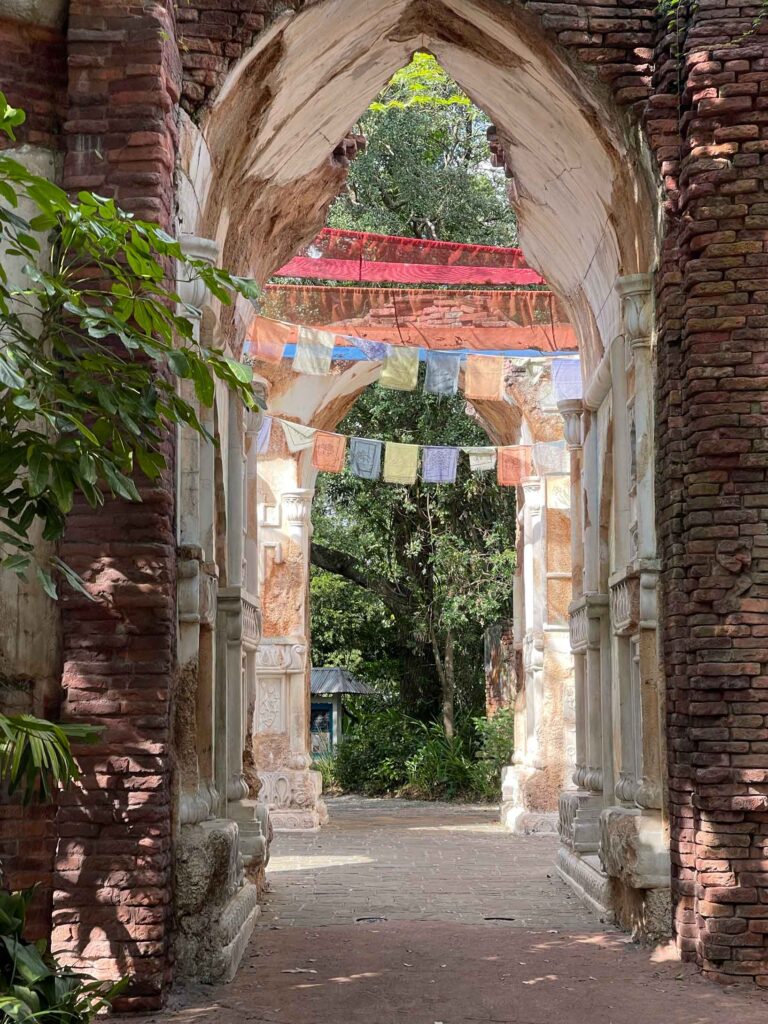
{"points": [[383, 918], [413, 861]]}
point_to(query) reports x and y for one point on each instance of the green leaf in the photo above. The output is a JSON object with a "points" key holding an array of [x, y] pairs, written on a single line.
{"points": [[150, 463], [240, 371], [16, 563], [46, 582]]}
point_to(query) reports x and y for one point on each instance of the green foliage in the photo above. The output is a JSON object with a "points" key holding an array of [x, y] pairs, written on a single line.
{"points": [[371, 758], [426, 172], [36, 756], [387, 752], [437, 559], [92, 345], [32, 986], [353, 628]]}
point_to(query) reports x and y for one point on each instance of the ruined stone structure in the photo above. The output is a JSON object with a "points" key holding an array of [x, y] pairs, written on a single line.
{"points": [[639, 180]]}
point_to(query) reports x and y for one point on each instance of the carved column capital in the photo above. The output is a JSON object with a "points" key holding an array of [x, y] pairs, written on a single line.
{"points": [[297, 512], [190, 288], [533, 493], [571, 410], [636, 296]]}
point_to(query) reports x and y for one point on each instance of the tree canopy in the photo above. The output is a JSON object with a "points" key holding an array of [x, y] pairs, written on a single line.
{"points": [[426, 172], [420, 571]]}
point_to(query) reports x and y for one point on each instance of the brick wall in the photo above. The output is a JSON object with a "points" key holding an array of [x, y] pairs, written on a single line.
{"points": [[33, 75], [713, 505], [113, 872], [711, 146]]}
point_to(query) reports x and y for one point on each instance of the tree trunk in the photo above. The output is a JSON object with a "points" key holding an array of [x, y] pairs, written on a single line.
{"points": [[444, 665], [449, 686]]}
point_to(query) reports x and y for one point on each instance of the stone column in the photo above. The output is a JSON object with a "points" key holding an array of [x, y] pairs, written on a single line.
{"points": [[213, 928], [281, 706], [633, 835]]}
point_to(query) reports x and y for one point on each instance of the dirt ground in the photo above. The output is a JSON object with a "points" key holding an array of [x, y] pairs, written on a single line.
{"points": [[402, 913]]}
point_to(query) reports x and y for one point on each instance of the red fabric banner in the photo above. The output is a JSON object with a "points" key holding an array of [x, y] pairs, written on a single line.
{"points": [[425, 318], [340, 244], [405, 273]]}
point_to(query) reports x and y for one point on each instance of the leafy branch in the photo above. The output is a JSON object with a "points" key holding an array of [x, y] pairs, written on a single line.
{"points": [[93, 342]]}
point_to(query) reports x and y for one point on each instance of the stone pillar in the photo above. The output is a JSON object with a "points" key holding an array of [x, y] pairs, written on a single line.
{"points": [[634, 846], [280, 724], [215, 905], [544, 739], [579, 809]]}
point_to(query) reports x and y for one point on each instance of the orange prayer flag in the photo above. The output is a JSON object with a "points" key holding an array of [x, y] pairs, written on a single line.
{"points": [[484, 378], [329, 452], [514, 464], [268, 339]]}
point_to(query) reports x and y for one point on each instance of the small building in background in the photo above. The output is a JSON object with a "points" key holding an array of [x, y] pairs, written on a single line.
{"points": [[327, 685]]}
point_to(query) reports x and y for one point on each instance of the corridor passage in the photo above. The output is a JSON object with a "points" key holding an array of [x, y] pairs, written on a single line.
{"points": [[415, 913]]}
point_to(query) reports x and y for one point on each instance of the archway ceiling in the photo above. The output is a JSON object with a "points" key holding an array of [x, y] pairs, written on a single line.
{"points": [[585, 211]]}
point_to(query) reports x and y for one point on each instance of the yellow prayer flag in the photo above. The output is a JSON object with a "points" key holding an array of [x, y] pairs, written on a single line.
{"points": [[401, 463], [484, 378], [401, 369]]}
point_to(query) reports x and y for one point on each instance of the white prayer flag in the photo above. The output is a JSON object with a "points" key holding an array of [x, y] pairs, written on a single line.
{"points": [[298, 436], [481, 460], [314, 350]]}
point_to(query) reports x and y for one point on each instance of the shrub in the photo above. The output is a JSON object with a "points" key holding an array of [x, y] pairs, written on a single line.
{"points": [[386, 752], [371, 758], [32, 985]]}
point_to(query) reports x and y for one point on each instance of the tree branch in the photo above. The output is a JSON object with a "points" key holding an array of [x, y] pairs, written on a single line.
{"points": [[344, 565]]}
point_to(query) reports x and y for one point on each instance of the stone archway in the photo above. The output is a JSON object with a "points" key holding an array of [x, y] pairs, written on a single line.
{"points": [[586, 201], [580, 102]]}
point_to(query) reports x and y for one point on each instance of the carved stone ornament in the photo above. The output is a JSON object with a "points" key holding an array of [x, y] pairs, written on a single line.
{"points": [[281, 656], [571, 411], [625, 603], [533, 495], [584, 621], [191, 289], [637, 307], [297, 509]]}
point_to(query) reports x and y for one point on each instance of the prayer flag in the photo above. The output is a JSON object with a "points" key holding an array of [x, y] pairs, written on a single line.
{"points": [[371, 349], [297, 436], [442, 373], [551, 457], [365, 457], [268, 339], [484, 378], [314, 351], [513, 464], [481, 460], [566, 379], [401, 463], [401, 369], [329, 451], [264, 435], [438, 465]]}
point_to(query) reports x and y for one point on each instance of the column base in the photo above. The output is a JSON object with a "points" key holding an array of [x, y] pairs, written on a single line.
{"points": [[583, 873], [579, 820], [255, 835], [216, 908], [634, 853], [523, 791], [294, 799]]}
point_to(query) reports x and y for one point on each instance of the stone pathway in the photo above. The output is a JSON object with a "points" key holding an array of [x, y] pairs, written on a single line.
{"points": [[404, 913]]}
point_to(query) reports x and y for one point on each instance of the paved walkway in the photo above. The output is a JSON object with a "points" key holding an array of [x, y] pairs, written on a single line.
{"points": [[402, 913]]}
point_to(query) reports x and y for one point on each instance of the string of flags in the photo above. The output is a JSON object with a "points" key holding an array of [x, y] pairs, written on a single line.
{"points": [[483, 374], [399, 463]]}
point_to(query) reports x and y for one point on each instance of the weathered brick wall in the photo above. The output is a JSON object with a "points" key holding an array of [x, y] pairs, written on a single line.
{"points": [[711, 146], [113, 873], [33, 75], [713, 493]]}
